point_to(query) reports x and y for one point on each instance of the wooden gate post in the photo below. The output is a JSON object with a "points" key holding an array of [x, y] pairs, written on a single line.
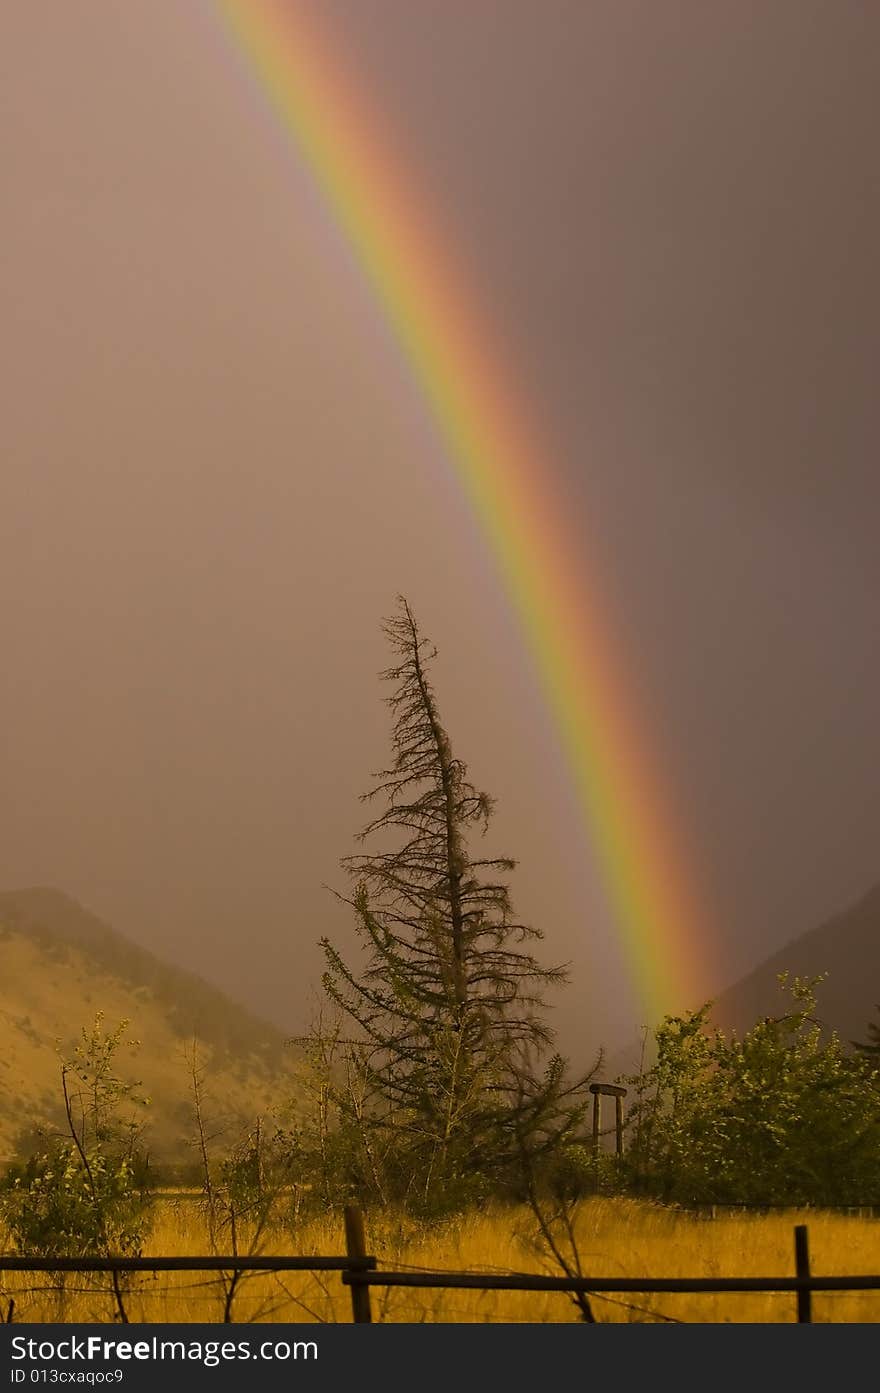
{"points": [[802, 1268], [356, 1247], [610, 1090]]}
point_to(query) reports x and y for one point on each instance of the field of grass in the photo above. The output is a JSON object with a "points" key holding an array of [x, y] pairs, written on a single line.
{"points": [[615, 1237]]}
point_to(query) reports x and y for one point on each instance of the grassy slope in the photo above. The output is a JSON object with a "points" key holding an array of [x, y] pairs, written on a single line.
{"points": [[59, 965]]}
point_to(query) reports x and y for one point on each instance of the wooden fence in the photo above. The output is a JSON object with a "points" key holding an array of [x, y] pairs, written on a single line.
{"points": [[359, 1272]]}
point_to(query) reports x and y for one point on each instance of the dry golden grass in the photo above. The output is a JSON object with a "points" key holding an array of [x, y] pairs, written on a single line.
{"points": [[616, 1237]]}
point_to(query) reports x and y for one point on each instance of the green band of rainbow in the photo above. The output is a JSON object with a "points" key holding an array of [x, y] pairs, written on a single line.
{"points": [[506, 479]]}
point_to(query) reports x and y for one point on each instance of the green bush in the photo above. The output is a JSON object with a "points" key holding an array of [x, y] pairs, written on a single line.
{"points": [[783, 1115], [84, 1193], [60, 1203]]}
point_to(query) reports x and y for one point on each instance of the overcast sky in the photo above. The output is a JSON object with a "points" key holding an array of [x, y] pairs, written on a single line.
{"points": [[216, 476]]}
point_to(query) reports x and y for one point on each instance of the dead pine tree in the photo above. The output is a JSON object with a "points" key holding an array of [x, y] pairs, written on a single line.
{"points": [[447, 1001]]}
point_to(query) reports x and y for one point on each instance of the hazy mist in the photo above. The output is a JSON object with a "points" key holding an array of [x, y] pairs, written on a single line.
{"points": [[216, 474]]}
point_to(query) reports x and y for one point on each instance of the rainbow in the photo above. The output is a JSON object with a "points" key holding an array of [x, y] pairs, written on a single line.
{"points": [[507, 479]]}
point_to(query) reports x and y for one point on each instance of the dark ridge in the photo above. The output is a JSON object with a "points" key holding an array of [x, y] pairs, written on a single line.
{"points": [[57, 922], [846, 947]]}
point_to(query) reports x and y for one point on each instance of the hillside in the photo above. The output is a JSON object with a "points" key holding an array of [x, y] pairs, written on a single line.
{"points": [[59, 965], [846, 947]]}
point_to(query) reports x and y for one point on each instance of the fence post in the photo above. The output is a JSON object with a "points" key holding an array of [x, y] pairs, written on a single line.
{"points": [[802, 1268], [356, 1247]]}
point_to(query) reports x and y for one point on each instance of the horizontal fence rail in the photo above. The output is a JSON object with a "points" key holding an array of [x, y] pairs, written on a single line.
{"points": [[354, 1263], [527, 1281], [230, 1263], [803, 1284]]}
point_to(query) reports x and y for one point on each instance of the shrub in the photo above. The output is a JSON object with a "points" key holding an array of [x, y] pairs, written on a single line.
{"points": [[58, 1202], [84, 1192], [783, 1115]]}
